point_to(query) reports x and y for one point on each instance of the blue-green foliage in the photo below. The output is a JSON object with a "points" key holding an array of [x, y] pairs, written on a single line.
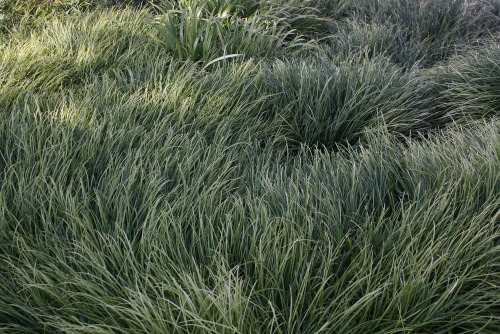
{"points": [[241, 167]]}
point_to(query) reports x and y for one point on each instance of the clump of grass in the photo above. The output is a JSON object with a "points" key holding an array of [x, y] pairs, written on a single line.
{"points": [[421, 32], [303, 17], [64, 52], [240, 8], [326, 103], [469, 86], [379, 39], [25, 15], [194, 32]]}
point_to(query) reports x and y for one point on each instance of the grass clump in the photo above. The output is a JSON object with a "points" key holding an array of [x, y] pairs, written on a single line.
{"points": [[330, 102], [328, 180], [66, 51], [469, 84], [23, 15], [208, 31], [423, 32]]}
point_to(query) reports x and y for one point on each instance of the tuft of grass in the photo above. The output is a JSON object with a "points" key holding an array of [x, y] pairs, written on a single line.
{"points": [[416, 32], [468, 86], [65, 52], [326, 103], [201, 31], [25, 15]]}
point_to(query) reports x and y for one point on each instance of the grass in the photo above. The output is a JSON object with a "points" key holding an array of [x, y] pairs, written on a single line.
{"points": [[340, 175], [203, 32]]}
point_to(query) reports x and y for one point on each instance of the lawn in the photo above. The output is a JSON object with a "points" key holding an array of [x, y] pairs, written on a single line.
{"points": [[240, 166]]}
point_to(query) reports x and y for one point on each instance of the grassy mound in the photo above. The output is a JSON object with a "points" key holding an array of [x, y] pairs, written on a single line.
{"points": [[249, 167]]}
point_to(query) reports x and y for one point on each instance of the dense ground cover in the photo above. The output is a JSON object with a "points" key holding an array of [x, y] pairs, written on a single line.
{"points": [[323, 166]]}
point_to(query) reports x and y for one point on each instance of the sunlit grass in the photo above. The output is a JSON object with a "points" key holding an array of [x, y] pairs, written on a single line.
{"points": [[330, 179]]}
